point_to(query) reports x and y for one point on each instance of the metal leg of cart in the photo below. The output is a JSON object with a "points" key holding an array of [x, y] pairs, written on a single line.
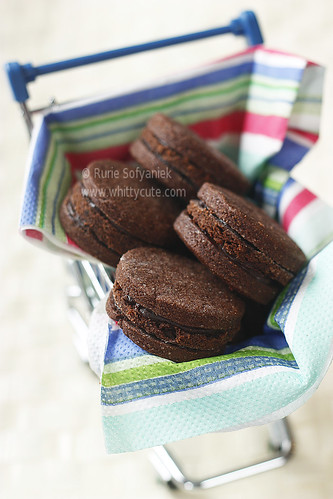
{"points": [[88, 285], [171, 473]]}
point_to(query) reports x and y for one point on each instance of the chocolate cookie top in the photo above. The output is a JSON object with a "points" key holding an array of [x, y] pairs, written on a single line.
{"points": [[135, 203], [254, 225], [177, 288]]}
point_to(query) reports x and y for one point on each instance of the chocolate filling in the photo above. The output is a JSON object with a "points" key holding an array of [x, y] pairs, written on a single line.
{"points": [[247, 268], [149, 314], [245, 241], [155, 337], [83, 225], [187, 179]]}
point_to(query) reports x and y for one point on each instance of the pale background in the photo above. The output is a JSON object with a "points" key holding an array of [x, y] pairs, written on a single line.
{"points": [[51, 442]]}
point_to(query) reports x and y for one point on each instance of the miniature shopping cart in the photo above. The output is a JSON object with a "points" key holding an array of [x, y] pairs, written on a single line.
{"points": [[92, 281]]}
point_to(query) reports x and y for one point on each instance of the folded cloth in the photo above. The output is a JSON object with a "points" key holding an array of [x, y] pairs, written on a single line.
{"points": [[261, 107], [148, 401]]}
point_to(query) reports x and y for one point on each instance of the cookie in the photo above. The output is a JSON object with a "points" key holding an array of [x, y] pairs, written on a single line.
{"points": [[181, 160], [239, 243], [114, 208], [173, 306], [253, 321]]}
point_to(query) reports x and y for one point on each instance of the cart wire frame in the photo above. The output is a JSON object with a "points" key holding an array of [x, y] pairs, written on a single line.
{"points": [[91, 282]]}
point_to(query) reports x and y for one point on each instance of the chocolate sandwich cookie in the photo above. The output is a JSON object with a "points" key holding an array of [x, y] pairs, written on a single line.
{"points": [[181, 160], [239, 243], [115, 208], [173, 306]]}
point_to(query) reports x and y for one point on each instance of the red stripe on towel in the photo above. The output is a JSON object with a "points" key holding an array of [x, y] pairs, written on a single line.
{"points": [[271, 126], [34, 234], [312, 137], [299, 202], [79, 160]]}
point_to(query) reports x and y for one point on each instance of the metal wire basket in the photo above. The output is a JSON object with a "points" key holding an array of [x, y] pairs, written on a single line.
{"points": [[89, 283]]}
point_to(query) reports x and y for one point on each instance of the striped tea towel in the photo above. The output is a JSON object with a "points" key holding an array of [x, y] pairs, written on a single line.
{"points": [[262, 108]]}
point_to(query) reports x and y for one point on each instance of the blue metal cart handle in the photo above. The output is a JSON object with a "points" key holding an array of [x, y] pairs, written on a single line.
{"points": [[20, 75]]}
